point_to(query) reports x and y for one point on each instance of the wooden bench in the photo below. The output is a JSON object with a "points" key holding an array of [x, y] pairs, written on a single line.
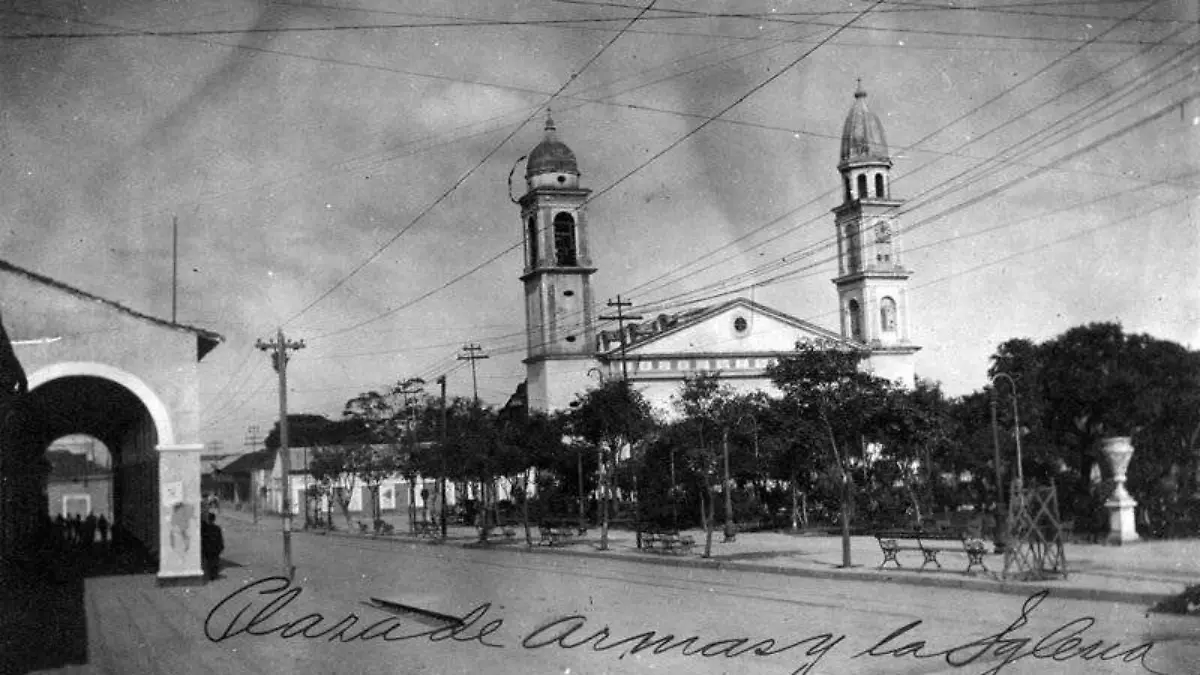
{"points": [[667, 542], [427, 528], [555, 535], [930, 544]]}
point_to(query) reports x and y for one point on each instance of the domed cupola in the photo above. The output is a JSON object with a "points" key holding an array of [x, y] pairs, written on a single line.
{"points": [[551, 163], [862, 135]]}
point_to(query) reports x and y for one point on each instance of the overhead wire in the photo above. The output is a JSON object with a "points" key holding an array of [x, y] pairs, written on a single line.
{"points": [[469, 173]]}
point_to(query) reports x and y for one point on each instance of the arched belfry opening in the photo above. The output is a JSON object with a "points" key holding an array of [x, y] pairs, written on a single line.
{"points": [[565, 254]]}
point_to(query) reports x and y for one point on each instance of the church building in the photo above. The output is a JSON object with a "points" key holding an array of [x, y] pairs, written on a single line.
{"points": [[737, 339]]}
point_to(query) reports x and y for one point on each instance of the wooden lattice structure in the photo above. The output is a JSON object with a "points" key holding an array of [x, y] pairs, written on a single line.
{"points": [[1035, 548]]}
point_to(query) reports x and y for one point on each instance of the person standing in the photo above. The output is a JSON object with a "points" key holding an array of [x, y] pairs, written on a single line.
{"points": [[89, 530], [211, 545], [102, 525]]}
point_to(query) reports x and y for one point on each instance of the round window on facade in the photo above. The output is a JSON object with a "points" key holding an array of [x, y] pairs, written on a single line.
{"points": [[569, 293], [740, 325], [570, 338]]}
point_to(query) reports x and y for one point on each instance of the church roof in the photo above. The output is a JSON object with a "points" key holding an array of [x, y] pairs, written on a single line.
{"points": [[640, 334], [862, 134], [551, 155], [206, 339]]}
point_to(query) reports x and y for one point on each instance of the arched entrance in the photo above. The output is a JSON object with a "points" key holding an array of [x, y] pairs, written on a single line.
{"points": [[151, 505]]}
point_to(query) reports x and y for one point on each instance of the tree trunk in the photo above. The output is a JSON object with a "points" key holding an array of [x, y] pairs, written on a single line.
{"points": [[603, 488], [912, 495], [795, 525], [847, 507], [525, 507], [484, 508], [845, 493], [708, 518]]}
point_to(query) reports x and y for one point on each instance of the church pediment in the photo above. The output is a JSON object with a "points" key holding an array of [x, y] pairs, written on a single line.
{"points": [[735, 327]]}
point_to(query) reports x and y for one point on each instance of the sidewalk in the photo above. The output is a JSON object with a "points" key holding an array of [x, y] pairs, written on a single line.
{"points": [[1141, 573]]}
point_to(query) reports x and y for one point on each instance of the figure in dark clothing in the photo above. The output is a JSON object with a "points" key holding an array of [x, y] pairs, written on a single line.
{"points": [[211, 545], [76, 528], [102, 525], [89, 530]]}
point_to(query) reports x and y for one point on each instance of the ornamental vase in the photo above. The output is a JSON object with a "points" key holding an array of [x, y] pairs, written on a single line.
{"points": [[1122, 530]]}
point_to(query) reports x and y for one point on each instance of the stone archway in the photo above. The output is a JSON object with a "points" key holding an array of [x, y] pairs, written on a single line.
{"points": [[158, 411], [156, 480]]}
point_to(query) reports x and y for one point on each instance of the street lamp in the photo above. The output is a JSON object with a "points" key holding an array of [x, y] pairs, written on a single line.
{"points": [[1016, 426], [730, 530]]}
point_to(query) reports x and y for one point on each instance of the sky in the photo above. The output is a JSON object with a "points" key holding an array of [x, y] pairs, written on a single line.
{"points": [[344, 170]]}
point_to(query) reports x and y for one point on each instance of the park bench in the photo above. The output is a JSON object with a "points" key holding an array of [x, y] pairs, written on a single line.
{"points": [[427, 528], [667, 541], [552, 534], [930, 544]]}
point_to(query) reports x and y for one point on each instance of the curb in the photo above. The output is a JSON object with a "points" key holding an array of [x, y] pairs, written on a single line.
{"points": [[969, 584]]}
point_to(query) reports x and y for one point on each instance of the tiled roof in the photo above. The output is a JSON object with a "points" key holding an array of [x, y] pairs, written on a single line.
{"points": [[207, 339]]}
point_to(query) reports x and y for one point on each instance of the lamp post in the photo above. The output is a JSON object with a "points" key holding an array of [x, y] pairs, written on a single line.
{"points": [[1016, 427], [730, 529]]}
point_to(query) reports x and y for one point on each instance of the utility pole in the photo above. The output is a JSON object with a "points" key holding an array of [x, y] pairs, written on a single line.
{"points": [[621, 318], [251, 442], [174, 265], [472, 355], [279, 348], [413, 385], [442, 488]]}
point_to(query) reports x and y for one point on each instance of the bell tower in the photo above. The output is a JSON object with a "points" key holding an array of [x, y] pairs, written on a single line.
{"points": [[559, 317], [872, 282]]}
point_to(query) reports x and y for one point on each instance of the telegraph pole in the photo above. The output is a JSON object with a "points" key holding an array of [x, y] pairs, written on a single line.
{"points": [[621, 318], [279, 348], [174, 266], [413, 385], [472, 355], [442, 488], [251, 442]]}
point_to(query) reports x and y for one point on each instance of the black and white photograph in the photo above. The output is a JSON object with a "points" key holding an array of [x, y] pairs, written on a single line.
{"points": [[599, 336]]}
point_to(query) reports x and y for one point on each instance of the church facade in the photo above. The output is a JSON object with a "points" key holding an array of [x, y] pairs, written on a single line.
{"points": [[736, 339]]}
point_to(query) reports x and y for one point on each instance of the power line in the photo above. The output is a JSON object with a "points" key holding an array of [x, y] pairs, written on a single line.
{"points": [[479, 164]]}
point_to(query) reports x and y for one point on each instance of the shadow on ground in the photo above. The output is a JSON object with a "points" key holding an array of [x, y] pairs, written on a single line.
{"points": [[43, 624]]}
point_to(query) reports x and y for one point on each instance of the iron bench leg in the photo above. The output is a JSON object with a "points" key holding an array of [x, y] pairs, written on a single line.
{"points": [[889, 555], [930, 557]]}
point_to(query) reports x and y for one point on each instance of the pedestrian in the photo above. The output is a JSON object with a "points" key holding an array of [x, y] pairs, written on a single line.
{"points": [[102, 525], [76, 528], [89, 530], [211, 545]]}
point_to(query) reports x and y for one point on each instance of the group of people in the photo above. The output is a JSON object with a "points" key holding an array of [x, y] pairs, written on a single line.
{"points": [[80, 531]]}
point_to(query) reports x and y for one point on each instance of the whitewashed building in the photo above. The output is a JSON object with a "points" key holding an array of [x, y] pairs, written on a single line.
{"points": [[567, 355]]}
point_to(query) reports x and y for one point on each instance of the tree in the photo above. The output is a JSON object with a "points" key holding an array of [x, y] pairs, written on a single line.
{"points": [[828, 390], [532, 442], [1094, 381], [704, 403], [303, 430], [610, 418], [914, 428], [332, 467]]}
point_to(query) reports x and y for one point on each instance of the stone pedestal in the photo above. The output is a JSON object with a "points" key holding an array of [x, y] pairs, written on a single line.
{"points": [[1122, 528]]}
